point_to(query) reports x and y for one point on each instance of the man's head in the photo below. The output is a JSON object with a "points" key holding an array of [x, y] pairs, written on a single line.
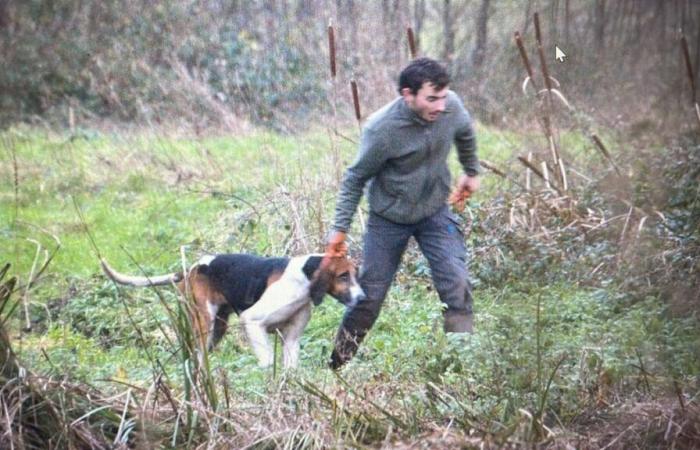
{"points": [[423, 85]]}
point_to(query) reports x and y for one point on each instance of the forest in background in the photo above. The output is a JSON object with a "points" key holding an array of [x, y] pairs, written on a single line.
{"points": [[228, 64]]}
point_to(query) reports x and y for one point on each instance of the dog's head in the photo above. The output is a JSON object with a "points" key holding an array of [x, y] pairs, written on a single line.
{"points": [[336, 277]]}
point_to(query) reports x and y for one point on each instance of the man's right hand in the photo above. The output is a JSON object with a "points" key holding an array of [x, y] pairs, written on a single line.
{"points": [[337, 248]]}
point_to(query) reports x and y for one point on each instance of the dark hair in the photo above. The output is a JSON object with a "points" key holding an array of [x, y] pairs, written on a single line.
{"points": [[421, 70]]}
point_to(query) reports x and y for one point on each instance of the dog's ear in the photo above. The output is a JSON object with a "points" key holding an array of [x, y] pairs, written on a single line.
{"points": [[321, 276], [320, 285]]}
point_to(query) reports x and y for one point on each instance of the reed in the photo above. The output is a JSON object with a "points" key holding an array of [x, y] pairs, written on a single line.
{"points": [[334, 100], [411, 42], [331, 49], [604, 151], [356, 101]]}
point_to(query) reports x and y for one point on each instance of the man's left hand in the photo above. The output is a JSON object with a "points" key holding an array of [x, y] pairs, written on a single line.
{"points": [[466, 186]]}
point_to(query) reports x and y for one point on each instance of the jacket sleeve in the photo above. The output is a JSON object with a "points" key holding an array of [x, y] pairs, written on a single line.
{"points": [[370, 160], [465, 141]]}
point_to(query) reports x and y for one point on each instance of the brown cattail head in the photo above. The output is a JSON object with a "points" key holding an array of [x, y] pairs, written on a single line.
{"points": [[411, 42], [538, 31], [355, 100], [331, 47], [523, 55], [688, 66]]}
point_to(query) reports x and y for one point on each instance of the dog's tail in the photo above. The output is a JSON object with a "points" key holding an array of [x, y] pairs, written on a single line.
{"points": [[130, 280]]}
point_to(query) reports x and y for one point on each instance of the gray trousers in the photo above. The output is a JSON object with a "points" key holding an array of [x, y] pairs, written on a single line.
{"points": [[441, 240]]}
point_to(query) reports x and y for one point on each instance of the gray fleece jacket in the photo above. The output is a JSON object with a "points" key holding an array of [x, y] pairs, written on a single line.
{"points": [[404, 158]]}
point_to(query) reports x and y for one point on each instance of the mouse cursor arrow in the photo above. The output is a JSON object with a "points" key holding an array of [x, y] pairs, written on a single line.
{"points": [[559, 55]]}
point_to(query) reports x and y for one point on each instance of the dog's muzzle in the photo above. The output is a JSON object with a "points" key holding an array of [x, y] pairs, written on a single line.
{"points": [[357, 295]]}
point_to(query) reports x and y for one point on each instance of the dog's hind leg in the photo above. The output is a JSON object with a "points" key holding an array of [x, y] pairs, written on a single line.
{"points": [[291, 334], [219, 326]]}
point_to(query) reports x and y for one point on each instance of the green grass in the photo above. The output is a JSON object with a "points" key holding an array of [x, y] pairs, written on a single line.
{"points": [[144, 196]]}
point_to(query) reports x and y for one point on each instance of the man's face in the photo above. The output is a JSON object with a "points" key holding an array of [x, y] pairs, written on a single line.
{"points": [[427, 103]]}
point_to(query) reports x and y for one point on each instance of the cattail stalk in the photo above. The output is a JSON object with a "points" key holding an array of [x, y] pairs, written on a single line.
{"points": [[544, 175], [490, 166], [538, 31], [523, 55], [334, 102], [411, 42], [331, 48], [358, 116], [356, 100], [556, 157], [600, 146]]}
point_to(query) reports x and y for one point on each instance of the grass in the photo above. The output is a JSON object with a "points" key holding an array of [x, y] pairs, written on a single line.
{"points": [[144, 196]]}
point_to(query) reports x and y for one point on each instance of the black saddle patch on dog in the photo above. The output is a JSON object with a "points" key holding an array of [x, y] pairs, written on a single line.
{"points": [[242, 278]]}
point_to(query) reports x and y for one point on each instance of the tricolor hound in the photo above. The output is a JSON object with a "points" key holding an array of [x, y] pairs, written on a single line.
{"points": [[269, 294]]}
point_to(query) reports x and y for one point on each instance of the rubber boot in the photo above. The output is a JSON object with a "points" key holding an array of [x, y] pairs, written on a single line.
{"points": [[458, 322]]}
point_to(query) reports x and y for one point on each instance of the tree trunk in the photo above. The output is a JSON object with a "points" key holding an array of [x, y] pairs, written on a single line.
{"points": [[479, 54], [418, 18], [448, 32], [4, 14], [697, 52], [600, 24]]}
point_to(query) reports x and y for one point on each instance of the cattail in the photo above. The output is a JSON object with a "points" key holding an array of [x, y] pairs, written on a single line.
{"points": [[688, 66], [493, 168], [411, 43], [523, 55], [355, 100], [543, 174], [538, 32], [331, 47], [545, 71], [600, 146]]}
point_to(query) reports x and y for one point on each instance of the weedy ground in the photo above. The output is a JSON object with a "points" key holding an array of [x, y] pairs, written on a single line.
{"points": [[565, 351]]}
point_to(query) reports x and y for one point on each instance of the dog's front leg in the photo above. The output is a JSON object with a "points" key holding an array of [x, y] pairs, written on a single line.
{"points": [[257, 336], [291, 334], [277, 305]]}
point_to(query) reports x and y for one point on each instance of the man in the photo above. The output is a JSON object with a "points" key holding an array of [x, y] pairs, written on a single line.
{"points": [[403, 154]]}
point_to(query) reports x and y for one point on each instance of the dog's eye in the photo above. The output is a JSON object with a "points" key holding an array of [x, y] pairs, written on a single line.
{"points": [[345, 276]]}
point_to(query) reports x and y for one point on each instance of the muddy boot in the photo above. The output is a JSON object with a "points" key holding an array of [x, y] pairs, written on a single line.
{"points": [[346, 344], [458, 322]]}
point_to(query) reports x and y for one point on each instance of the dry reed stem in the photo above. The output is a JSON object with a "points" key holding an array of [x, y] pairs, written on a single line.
{"points": [[545, 172]]}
